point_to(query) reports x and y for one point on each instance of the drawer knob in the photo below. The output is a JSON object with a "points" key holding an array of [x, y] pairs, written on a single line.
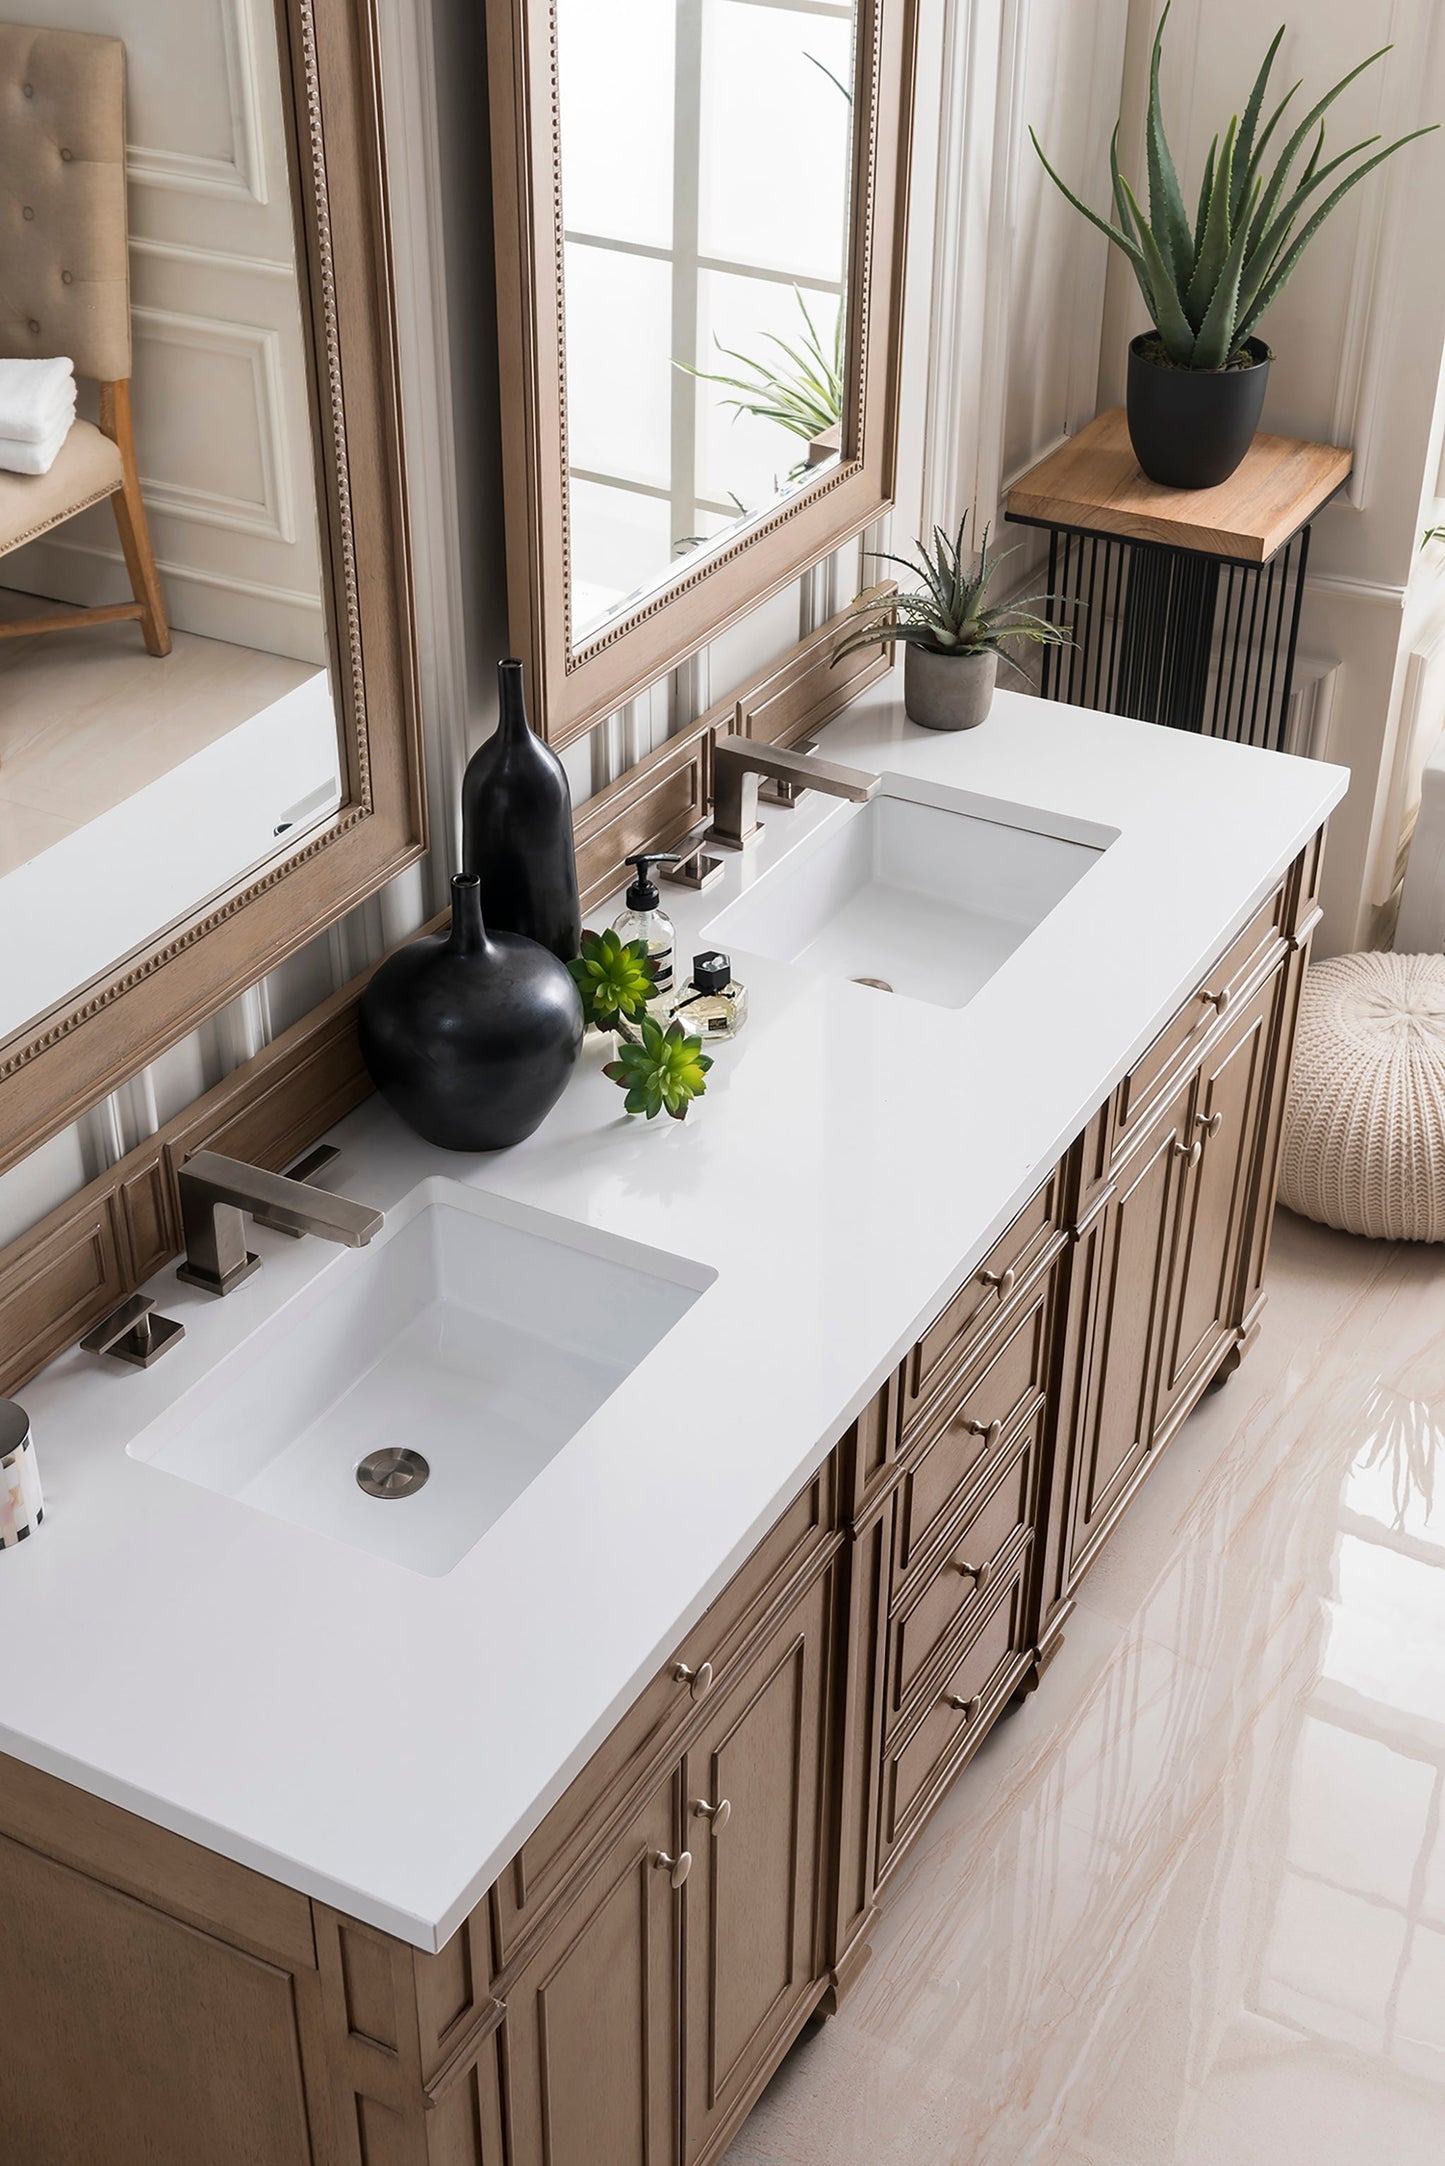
{"points": [[698, 1681], [980, 1574], [1211, 1123], [1218, 1001], [1005, 1281], [719, 1814], [1191, 1153], [990, 1431], [676, 1869], [967, 1708]]}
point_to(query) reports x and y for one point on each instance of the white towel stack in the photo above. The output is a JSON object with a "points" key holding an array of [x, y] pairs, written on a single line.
{"points": [[37, 406]]}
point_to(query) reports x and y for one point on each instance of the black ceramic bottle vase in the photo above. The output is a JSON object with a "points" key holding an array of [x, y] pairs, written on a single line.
{"points": [[471, 1035], [517, 829]]}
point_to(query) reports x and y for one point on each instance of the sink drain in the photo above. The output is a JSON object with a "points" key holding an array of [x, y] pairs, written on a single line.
{"points": [[879, 985], [392, 1472]]}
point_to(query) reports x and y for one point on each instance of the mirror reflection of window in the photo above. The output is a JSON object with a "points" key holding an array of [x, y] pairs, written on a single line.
{"points": [[166, 717], [707, 152]]}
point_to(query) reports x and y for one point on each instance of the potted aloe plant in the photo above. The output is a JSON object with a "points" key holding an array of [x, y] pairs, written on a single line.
{"points": [[1197, 376], [952, 641]]}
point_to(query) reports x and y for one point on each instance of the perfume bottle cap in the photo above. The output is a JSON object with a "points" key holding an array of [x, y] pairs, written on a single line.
{"points": [[643, 895], [711, 972]]}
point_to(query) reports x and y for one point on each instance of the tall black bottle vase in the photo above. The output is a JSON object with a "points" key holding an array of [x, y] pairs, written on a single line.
{"points": [[517, 829], [470, 1035]]}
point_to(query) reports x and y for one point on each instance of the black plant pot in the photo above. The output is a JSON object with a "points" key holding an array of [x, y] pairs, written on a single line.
{"points": [[1191, 427], [469, 1035], [517, 829]]}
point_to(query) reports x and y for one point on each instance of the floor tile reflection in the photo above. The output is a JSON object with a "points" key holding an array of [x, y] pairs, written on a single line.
{"points": [[1188, 1906]]}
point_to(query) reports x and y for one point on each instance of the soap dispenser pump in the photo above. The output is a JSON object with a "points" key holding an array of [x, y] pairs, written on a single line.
{"points": [[644, 919]]}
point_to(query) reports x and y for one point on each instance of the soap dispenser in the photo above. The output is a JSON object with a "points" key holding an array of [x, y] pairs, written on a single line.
{"points": [[644, 919]]}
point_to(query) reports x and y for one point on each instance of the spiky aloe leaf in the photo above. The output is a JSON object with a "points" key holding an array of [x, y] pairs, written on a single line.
{"points": [[1205, 192], [1267, 252], [1216, 240], [1218, 335], [1274, 190], [1167, 215], [1280, 277], [1249, 122], [1112, 233], [1170, 320]]}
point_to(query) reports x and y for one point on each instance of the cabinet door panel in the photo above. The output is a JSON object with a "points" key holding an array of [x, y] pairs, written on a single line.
{"points": [[130, 2039], [1219, 1191], [592, 2044], [1130, 1298], [751, 1904]]}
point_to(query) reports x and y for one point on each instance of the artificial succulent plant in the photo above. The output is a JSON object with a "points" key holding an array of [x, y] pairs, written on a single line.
{"points": [[662, 1071]]}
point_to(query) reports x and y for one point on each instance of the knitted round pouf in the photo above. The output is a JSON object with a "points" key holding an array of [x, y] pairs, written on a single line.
{"points": [[1364, 1139]]}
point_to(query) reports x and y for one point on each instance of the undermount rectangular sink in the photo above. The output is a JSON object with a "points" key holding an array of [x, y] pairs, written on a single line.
{"points": [[920, 895], [475, 1332]]}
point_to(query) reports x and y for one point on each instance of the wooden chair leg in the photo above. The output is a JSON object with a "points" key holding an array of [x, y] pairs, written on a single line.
{"points": [[130, 518]]}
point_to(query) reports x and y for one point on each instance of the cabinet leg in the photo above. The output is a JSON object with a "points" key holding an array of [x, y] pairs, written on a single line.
{"points": [[842, 1979], [1232, 1360]]}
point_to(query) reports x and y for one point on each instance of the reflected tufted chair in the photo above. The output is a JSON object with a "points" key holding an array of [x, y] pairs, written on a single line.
{"points": [[65, 289]]}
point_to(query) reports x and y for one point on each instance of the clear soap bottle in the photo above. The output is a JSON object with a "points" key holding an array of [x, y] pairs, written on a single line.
{"points": [[712, 1004], [644, 919]]}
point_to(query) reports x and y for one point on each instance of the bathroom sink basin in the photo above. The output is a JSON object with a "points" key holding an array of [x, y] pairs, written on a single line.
{"points": [[474, 1335], [925, 895]]}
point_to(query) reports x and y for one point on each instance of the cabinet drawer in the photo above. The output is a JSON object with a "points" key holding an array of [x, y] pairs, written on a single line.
{"points": [[580, 1821], [970, 1425], [985, 1673], [975, 1556], [1181, 1040], [954, 1336]]}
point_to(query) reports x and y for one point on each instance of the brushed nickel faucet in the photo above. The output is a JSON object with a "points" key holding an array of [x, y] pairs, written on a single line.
{"points": [[216, 1192], [739, 764]]}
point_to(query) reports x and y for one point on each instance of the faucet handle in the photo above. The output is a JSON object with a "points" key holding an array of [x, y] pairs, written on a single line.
{"points": [[133, 1333], [305, 1169]]}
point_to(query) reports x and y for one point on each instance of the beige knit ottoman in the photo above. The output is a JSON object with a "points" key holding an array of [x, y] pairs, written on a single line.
{"points": [[1364, 1140]]}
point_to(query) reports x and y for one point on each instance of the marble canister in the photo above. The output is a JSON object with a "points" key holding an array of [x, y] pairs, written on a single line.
{"points": [[21, 1505]]}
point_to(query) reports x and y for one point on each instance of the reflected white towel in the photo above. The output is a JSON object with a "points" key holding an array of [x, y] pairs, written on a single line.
{"points": [[32, 458], [34, 397]]}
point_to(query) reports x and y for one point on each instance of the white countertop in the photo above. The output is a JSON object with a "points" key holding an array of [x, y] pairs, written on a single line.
{"points": [[385, 1740]]}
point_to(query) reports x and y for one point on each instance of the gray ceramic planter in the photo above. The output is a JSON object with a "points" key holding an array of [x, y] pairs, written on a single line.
{"points": [[948, 691]]}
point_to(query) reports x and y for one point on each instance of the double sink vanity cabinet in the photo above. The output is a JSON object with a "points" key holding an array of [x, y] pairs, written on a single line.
{"points": [[707, 1883]]}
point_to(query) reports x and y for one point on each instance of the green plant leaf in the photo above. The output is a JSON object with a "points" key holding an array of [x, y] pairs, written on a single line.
{"points": [[1269, 202], [1244, 142], [1278, 278], [1217, 334], [1205, 192], [1170, 320], [1215, 240], [1121, 240], [1267, 252], [1167, 216], [614, 978]]}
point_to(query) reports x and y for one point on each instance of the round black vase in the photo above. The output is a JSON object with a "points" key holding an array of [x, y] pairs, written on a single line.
{"points": [[1191, 427], [517, 829], [471, 1035]]}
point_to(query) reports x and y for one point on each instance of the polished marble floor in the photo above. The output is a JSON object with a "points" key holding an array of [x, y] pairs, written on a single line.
{"points": [[1187, 1907]]}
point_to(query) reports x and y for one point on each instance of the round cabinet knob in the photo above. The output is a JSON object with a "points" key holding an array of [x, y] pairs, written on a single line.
{"points": [[967, 1708], [1211, 1123], [719, 1814], [1191, 1153], [698, 1681], [990, 1431], [1218, 1000], [1003, 1280], [676, 1869], [980, 1574]]}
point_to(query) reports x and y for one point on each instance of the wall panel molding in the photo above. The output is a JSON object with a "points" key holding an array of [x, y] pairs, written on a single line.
{"points": [[243, 174], [271, 516]]}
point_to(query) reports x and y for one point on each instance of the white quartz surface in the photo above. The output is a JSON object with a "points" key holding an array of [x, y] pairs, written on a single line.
{"points": [[383, 1739]]}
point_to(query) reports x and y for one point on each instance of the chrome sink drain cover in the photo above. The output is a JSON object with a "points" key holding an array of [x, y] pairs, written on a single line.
{"points": [[392, 1472]]}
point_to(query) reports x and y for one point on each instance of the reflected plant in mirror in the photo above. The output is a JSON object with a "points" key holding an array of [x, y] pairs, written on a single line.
{"points": [[707, 151]]}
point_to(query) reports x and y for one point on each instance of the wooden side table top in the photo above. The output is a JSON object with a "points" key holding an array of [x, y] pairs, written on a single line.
{"points": [[1093, 481]]}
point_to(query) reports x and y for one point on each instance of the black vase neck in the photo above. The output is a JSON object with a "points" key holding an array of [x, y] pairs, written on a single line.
{"points": [[513, 725], [469, 933]]}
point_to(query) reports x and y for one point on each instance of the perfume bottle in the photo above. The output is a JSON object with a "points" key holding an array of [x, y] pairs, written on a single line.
{"points": [[644, 919], [712, 1004]]}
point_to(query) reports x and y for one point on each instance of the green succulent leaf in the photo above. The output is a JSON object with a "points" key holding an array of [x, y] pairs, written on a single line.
{"points": [[615, 978], [947, 614], [662, 1072]]}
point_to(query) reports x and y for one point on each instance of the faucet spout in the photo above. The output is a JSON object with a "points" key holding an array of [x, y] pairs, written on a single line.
{"points": [[740, 762], [215, 1193]]}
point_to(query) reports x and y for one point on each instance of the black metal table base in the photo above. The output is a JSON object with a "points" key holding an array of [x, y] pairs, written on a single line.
{"points": [[1176, 636]]}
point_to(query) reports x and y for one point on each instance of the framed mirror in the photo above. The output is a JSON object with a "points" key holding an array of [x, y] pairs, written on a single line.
{"points": [[209, 740], [699, 216]]}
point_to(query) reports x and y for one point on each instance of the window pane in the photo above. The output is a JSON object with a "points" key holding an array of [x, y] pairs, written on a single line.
{"points": [[744, 455], [615, 67], [620, 541], [619, 364]]}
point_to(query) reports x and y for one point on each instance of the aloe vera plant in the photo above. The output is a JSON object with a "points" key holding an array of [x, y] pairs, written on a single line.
{"points": [[803, 392], [948, 614], [1208, 284]]}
